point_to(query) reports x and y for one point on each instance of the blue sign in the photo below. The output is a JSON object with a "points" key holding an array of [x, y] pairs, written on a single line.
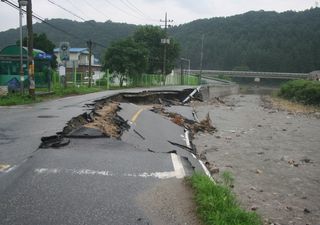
{"points": [[44, 56]]}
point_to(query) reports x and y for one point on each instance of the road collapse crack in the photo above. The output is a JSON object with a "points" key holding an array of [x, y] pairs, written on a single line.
{"points": [[102, 119], [106, 120], [169, 152], [142, 137], [182, 146]]}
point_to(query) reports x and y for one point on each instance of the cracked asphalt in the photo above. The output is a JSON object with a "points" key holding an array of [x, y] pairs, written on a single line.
{"points": [[97, 180]]}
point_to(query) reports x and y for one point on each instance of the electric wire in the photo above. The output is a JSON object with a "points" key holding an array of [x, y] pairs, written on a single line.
{"points": [[34, 15], [63, 8], [122, 10], [139, 11]]}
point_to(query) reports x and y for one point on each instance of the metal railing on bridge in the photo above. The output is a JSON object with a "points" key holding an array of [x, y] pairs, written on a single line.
{"points": [[273, 75]]}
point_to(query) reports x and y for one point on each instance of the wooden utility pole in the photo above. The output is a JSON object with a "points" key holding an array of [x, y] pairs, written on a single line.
{"points": [[89, 43], [32, 84], [165, 41], [201, 57]]}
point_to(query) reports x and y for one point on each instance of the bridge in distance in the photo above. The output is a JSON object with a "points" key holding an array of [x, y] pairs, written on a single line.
{"points": [[266, 75]]}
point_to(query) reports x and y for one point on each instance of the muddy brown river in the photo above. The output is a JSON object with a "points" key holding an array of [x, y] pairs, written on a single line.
{"points": [[273, 155]]}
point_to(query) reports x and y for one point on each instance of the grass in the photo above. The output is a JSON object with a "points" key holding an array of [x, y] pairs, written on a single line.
{"points": [[291, 106], [18, 99], [216, 203]]}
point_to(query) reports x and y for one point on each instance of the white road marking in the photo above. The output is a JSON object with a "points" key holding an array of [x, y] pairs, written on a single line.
{"points": [[4, 167], [159, 175], [10, 169], [186, 134], [178, 167]]}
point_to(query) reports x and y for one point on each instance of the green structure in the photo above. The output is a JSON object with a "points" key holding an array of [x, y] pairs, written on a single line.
{"points": [[10, 65]]}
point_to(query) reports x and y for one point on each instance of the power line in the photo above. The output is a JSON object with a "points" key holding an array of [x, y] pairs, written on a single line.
{"points": [[34, 15], [122, 10], [75, 6], [139, 11], [95, 9], [61, 7]]}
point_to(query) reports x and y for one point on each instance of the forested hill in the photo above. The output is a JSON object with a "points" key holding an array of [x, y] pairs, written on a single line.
{"points": [[258, 41], [77, 33]]}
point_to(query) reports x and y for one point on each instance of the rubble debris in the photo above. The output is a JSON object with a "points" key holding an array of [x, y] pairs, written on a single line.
{"points": [[195, 127], [190, 96], [306, 211], [54, 141]]}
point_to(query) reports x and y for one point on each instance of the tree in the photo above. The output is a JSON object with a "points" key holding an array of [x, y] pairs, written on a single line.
{"points": [[41, 42], [150, 37], [127, 58]]}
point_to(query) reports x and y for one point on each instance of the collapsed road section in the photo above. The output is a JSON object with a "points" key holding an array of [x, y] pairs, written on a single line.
{"points": [[155, 121]]}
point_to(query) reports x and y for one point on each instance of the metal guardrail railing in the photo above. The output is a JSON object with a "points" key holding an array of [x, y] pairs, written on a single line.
{"points": [[275, 75]]}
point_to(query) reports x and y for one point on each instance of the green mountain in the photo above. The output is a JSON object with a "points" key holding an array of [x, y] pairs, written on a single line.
{"points": [[258, 41]]}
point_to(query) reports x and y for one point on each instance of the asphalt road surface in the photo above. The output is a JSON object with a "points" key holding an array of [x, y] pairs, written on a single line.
{"points": [[91, 181]]}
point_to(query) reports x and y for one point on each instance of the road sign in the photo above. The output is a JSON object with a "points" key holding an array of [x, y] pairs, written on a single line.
{"points": [[62, 71], [165, 41], [64, 51]]}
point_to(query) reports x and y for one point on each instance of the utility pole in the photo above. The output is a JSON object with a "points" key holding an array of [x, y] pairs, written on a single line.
{"points": [[165, 41], [22, 3], [89, 43], [201, 57], [32, 84]]}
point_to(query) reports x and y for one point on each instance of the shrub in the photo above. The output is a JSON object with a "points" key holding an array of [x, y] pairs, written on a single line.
{"points": [[303, 91]]}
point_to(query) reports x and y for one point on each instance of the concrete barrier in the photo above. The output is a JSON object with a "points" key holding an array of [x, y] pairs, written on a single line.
{"points": [[215, 90]]}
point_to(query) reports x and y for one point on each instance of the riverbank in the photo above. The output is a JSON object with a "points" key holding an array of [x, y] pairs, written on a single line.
{"points": [[273, 155]]}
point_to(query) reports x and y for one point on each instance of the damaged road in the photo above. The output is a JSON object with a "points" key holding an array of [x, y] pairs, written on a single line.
{"points": [[102, 166]]}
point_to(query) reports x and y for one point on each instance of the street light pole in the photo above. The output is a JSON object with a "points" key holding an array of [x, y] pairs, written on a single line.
{"points": [[21, 4]]}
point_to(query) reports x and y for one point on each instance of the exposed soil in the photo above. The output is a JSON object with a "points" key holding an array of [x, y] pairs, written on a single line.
{"points": [[104, 120], [273, 154]]}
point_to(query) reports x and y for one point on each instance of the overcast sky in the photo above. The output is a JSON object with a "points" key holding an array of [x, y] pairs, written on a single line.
{"points": [[146, 11]]}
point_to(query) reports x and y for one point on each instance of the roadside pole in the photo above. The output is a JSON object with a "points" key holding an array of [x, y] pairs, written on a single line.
{"points": [[32, 84], [89, 43], [108, 79]]}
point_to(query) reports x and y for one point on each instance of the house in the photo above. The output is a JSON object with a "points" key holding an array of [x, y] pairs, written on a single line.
{"points": [[78, 63]]}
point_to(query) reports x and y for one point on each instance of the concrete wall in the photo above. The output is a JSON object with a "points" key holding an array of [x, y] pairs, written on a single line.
{"points": [[213, 91]]}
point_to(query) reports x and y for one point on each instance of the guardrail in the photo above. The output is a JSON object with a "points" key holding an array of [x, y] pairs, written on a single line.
{"points": [[274, 75]]}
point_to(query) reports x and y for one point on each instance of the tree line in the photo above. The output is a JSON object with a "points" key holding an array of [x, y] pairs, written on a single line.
{"points": [[257, 41]]}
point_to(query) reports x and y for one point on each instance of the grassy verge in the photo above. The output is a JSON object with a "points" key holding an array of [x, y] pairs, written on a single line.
{"points": [[217, 205], [18, 99]]}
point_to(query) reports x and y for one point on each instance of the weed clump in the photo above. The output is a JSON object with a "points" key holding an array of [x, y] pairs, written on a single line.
{"points": [[216, 204]]}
